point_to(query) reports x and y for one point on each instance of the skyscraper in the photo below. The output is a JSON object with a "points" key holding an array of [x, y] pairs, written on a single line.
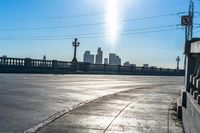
{"points": [[105, 60], [87, 57], [99, 56], [114, 59]]}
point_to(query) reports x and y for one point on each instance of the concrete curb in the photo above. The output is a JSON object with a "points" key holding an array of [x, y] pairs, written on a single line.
{"points": [[52, 118]]}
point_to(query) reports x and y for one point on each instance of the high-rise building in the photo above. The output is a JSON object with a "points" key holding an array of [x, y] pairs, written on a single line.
{"points": [[99, 56], [105, 60], [114, 59], [87, 57], [118, 60], [92, 59]]}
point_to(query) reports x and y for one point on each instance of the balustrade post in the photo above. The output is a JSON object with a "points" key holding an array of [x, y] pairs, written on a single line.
{"points": [[104, 67], [54, 64], [119, 68], [27, 62]]}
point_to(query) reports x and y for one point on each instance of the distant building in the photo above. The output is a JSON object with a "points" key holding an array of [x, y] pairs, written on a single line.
{"points": [[128, 64], [105, 60], [4, 56], [145, 65], [99, 56], [114, 59], [44, 57], [87, 57]]}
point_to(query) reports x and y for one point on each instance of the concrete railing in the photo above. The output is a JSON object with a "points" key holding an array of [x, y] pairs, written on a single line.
{"points": [[54, 66], [191, 94]]}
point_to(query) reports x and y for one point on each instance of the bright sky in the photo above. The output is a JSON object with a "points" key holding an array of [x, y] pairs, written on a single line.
{"points": [[139, 31]]}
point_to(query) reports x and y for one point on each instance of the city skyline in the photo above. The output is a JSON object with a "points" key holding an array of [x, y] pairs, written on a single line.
{"points": [[140, 31], [113, 58]]}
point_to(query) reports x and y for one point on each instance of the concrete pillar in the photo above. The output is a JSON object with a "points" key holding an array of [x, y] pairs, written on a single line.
{"points": [[87, 67], [54, 64], [198, 99], [198, 84], [192, 91], [119, 68], [189, 70], [179, 112], [142, 69], [104, 67], [131, 69], [184, 99], [195, 94], [195, 80], [27, 62], [73, 66]]}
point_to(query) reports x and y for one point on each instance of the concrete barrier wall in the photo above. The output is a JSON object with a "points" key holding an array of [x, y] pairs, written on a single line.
{"points": [[28, 65], [191, 115]]}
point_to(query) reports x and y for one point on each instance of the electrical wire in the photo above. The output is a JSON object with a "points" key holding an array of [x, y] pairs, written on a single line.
{"points": [[54, 18], [97, 33], [88, 24], [92, 36]]}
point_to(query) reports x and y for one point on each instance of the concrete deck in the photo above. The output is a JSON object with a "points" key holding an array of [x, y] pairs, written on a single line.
{"points": [[142, 110]]}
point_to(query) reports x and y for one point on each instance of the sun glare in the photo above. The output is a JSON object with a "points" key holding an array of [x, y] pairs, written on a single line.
{"points": [[112, 20]]}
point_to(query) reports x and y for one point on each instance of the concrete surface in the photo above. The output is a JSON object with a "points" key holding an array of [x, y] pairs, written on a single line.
{"points": [[28, 99], [191, 115], [141, 110]]}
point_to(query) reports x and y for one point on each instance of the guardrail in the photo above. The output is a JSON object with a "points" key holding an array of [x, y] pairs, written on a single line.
{"points": [[28, 65]]}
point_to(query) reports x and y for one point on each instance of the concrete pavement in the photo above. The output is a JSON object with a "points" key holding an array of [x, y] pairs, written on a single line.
{"points": [[141, 110], [29, 99]]}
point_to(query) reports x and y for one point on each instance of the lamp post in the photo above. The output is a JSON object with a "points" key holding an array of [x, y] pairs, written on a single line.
{"points": [[75, 44], [178, 60]]}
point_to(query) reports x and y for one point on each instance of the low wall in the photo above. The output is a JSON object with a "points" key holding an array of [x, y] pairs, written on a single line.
{"points": [[27, 65], [191, 115]]}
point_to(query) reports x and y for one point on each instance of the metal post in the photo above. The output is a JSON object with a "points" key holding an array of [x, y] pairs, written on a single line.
{"points": [[178, 60], [75, 44]]}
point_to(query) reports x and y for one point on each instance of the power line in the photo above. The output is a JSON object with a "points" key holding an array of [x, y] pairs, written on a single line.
{"points": [[94, 36], [136, 33], [53, 27], [157, 16], [56, 17], [90, 24], [96, 33], [80, 15]]}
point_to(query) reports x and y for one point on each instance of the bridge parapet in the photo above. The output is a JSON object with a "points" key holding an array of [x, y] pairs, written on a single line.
{"points": [[193, 65], [11, 61], [191, 97], [54, 66]]}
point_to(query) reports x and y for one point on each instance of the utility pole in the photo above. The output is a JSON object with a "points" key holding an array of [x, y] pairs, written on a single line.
{"points": [[191, 14], [178, 60], [187, 21]]}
